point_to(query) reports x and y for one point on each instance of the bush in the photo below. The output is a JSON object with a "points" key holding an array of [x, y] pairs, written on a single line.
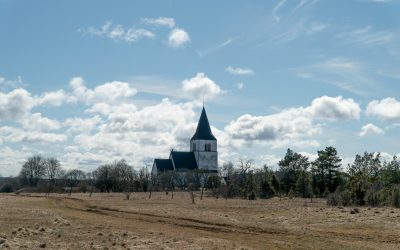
{"points": [[252, 196], [333, 199], [396, 197], [6, 188], [82, 187], [345, 198], [373, 198], [342, 198], [266, 190]]}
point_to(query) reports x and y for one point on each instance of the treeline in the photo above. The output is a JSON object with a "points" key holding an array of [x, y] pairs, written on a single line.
{"points": [[367, 181], [39, 174]]}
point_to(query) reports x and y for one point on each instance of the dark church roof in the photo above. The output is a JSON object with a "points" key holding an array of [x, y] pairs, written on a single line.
{"points": [[183, 160], [164, 165], [203, 131]]}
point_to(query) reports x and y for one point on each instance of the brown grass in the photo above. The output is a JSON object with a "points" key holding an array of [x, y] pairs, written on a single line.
{"points": [[109, 221]]}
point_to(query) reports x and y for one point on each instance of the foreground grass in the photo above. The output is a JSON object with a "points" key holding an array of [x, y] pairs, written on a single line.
{"points": [[108, 221]]}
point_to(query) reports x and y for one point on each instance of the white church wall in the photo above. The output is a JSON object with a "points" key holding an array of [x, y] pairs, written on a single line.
{"points": [[200, 145], [205, 159]]}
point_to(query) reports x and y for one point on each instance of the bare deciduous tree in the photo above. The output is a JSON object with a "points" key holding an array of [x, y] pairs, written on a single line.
{"points": [[33, 170], [53, 171]]}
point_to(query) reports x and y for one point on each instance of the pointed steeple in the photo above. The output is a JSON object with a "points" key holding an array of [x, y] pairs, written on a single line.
{"points": [[203, 131]]}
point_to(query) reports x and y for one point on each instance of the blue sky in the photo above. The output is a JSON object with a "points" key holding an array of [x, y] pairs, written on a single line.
{"points": [[91, 82]]}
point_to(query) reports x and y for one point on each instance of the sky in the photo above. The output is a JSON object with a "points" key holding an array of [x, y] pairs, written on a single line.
{"points": [[91, 82]]}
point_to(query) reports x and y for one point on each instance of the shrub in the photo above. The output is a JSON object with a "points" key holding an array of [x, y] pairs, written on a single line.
{"points": [[6, 188], [266, 190], [373, 198], [345, 198], [342, 198], [396, 197], [252, 196], [333, 199]]}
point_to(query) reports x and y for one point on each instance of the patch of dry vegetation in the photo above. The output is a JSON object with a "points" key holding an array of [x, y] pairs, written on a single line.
{"points": [[109, 221]]}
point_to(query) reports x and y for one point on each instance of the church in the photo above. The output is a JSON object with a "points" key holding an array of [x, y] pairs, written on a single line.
{"points": [[203, 155]]}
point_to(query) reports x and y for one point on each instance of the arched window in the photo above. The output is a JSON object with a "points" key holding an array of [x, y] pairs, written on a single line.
{"points": [[207, 147]]}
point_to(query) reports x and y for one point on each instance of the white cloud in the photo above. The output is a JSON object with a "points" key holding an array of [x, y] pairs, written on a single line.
{"points": [[287, 127], [178, 38], [133, 35], [119, 33], [371, 129], [240, 86], [161, 21], [10, 158], [104, 29], [388, 108], [10, 83], [55, 98], [15, 104], [109, 92], [11, 134], [239, 71], [294, 126], [200, 86], [82, 125], [36, 122], [335, 108]]}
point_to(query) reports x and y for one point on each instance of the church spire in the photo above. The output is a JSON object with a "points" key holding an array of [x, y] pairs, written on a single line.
{"points": [[203, 131]]}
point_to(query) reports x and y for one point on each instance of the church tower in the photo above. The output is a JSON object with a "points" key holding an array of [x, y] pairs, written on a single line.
{"points": [[204, 145]]}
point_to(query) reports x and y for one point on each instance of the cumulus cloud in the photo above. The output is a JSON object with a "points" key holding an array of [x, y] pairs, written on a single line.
{"points": [[150, 131], [164, 116], [160, 21], [37, 122], [294, 126], [15, 104], [82, 125], [55, 98], [388, 108], [178, 38], [370, 129], [200, 86], [335, 108], [109, 92], [288, 126], [239, 71], [12, 134]]}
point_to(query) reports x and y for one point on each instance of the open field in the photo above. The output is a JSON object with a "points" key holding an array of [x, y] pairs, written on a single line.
{"points": [[107, 221]]}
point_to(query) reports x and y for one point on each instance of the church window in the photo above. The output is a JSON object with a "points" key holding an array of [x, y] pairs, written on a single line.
{"points": [[207, 147]]}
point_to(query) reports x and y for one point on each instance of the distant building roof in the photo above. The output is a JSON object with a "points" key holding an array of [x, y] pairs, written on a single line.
{"points": [[183, 160], [163, 165], [203, 131]]}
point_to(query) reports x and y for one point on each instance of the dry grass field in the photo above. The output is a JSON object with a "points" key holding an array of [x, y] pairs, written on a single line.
{"points": [[108, 221]]}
